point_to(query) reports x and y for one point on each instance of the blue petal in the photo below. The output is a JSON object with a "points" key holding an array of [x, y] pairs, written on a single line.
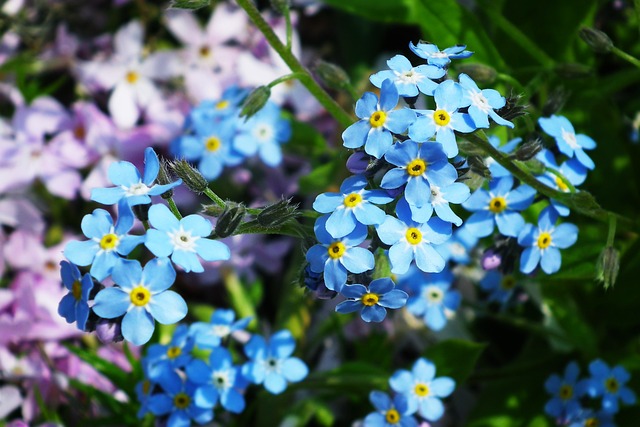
{"points": [[275, 383], [355, 135], [128, 274], [281, 344], [373, 313], [369, 214], [294, 369], [212, 250], [81, 253], [394, 178], [379, 141], [187, 260], [428, 259], [123, 174], [529, 260], [366, 105], [158, 275], [107, 196], [111, 303], [551, 260], [335, 275], [394, 299], [151, 166], [399, 120], [327, 202], [167, 307], [233, 401], [341, 222], [388, 96], [158, 243], [348, 306], [137, 326], [400, 256], [161, 218], [358, 260], [509, 223], [442, 387], [353, 291], [97, 224]]}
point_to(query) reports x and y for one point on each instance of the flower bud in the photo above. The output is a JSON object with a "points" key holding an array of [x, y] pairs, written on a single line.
{"points": [[477, 166], [255, 101], [315, 283], [142, 211], [332, 75], [480, 73], [163, 178], [280, 6], [596, 39], [190, 176], [512, 108], [277, 213], [529, 149], [109, 330], [358, 162], [571, 70], [608, 266], [230, 219], [490, 260]]}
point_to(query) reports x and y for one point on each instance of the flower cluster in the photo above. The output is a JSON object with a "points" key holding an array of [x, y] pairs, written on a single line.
{"points": [[606, 385], [196, 372]]}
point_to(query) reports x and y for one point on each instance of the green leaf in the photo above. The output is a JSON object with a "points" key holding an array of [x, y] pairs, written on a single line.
{"points": [[321, 177], [455, 358], [383, 11]]}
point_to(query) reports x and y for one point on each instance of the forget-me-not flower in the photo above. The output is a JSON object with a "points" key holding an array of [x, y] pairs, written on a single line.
{"points": [[263, 133], [222, 324], [389, 413], [74, 306], [500, 287], [176, 401], [372, 301], [609, 383], [407, 78], [566, 393], [174, 355], [435, 56], [569, 143], [482, 103]]}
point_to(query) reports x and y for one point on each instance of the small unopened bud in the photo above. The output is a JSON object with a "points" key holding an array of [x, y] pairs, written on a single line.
{"points": [[190, 176], [332, 75], [512, 108], [358, 162], [164, 178], [528, 150], [490, 260], [230, 219], [596, 39], [315, 282], [477, 166], [109, 330], [277, 214], [571, 70], [142, 211], [555, 102], [255, 101], [280, 6], [480, 73], [188, 4], [608, 266]]}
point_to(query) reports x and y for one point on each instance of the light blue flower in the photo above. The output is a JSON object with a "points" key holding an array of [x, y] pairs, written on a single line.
{"points": [[444, 120], [422, 390], [263, 133], [500, 205], [142, 297], [176, 401], [353, 205], [568, 142], [482, 103], [435, 56], [378, 120], [571, 169], [542, 243], [410, 240], [129, 185], [210, 334], [609, 383], [335, 256], [389, 413], [442, 192], [74, 306], [107, 242], [373, 301], [271, 362], [566, 393], [218, 381], [184, 240], [407, 78], [217, 111]]}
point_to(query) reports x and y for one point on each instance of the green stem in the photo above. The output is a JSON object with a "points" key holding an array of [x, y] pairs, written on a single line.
{"points": [[145, 224], [566, 182], [287, 19], [174, 208], [612, 230], [215, 198], [285, 78], [312, 86], [624, 55]]}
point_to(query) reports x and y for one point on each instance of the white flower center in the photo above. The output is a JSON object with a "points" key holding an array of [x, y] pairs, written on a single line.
{"points": [[570, 139], [183, 240], [409, 77], [139, 189], [436, 196], [263, 132], [220, 330], [221, 380], [439, 55], [478, 100], [433, 294]]}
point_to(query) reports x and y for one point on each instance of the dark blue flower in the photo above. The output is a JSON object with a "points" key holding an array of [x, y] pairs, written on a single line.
{"points": [[609, 383], [389, 413], [176, 401], [174, 355], [372, 301], [566, 393], [74, 306]]}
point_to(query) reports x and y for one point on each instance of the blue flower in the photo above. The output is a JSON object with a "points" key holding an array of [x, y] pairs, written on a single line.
{"points": [[571, 169], [211, 146], [336, 256], [183, 239], [271, 363], [568, 142], [443, 191], [458, 248], [177, 401], [417, 165], [499, 287], [422, 390], [566, 393], [351, 206], [430, 296], [210, 334], [176, 354], [407, 78], [542, 243], [74, 306], [378, 121], [609, 383], [107, 242], [129, 185], [499, 205], [263, 133], [218, 381], [410, 240], [141, 296], [389, 413], [372, 301], [439, 58], [482, 103], [225, 108], [591, 418], [444, 120]]}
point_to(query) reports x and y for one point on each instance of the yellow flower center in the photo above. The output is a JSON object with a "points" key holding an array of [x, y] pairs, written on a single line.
{"points": [[352, 200], [377, 119], [108, 242], [132, 77], [370, 299], [146, 387], [497, 204], [544, 240], [204, 51], [612, 385], [416, 167], [591, 422], [76, 290], [392, 416], [336, 250], [173, 352], [561, 185], [441, 117], [421, 389], [566, 392], [507, 283], [181, 401], [413, 235], [212, 144], [222, 105], [140, 296]]}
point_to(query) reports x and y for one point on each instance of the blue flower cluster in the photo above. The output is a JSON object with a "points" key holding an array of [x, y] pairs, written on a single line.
{"points": [[215, 136], [196, 372], [607, 385], [140, 295], [417, 393]]}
